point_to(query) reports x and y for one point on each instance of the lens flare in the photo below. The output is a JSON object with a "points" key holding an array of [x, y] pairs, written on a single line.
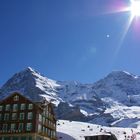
{"points": [[135, 8]]}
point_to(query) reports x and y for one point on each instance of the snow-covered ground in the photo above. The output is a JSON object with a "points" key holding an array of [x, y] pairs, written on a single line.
{"points": [[72, 130]]}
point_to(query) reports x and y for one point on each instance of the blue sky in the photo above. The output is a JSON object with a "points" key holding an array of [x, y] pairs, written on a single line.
{"points": [[67, 39]]}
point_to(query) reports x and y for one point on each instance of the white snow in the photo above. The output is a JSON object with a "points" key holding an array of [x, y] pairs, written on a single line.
{"points": [[116, 97], [84, 112], [71, 130]]}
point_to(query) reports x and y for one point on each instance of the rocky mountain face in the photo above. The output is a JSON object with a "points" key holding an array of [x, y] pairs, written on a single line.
{"points": [[113, 100]]}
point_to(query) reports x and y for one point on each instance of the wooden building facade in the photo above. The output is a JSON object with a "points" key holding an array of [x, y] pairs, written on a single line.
{"points": [[22, 119]]}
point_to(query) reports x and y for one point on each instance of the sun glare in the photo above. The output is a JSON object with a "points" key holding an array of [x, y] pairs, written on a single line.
{"points": [[135, 8]]}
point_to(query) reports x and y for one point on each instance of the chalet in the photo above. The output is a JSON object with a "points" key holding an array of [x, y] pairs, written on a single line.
{"points": [[22, 119], [107, 136]]}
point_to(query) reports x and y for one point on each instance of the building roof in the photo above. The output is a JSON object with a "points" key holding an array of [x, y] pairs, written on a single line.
{"points": [[103, 134], [40, 104]]}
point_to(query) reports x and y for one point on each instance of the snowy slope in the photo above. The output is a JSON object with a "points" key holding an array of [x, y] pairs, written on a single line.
{"points": [[113, 100], [32, 84], [70, 130]]}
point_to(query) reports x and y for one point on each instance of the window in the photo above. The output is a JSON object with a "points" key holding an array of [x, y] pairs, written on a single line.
{"points": [[30, 115], [54, 134], [29, 126], [46, 130], [14, 116], [16, 98], [1, 107], [30, 137], [43, 120], [54, 125], [43, 129], [49, 132], [44, 112], [0, 117], [6, 138], [6, 116], [15, 138], [13, 126], [23, 138], [50, 115], [49, 109], [22, 107], [4, 127], [39, 127], [30, 106], [40, 117], [15, 107], [21, 116], [7, 108], [47, 121], [20, 126], [47, 114]]}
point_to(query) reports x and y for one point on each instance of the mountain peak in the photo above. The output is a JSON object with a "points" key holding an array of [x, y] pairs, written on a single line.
{"points": [[29, 70], [119, 74]]}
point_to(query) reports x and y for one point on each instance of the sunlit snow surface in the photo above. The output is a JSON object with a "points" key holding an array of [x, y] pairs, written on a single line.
{"points": [[71, 130]]}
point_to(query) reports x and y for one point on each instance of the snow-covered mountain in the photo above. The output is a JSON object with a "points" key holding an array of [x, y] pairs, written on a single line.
{"points": [[113, 100]]}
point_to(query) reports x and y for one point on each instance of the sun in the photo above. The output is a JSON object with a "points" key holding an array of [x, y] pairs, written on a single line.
{"points": [[135, 8]]}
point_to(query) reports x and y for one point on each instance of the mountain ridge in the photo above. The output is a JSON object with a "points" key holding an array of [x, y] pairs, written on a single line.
{"points": [[109, 101]]}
